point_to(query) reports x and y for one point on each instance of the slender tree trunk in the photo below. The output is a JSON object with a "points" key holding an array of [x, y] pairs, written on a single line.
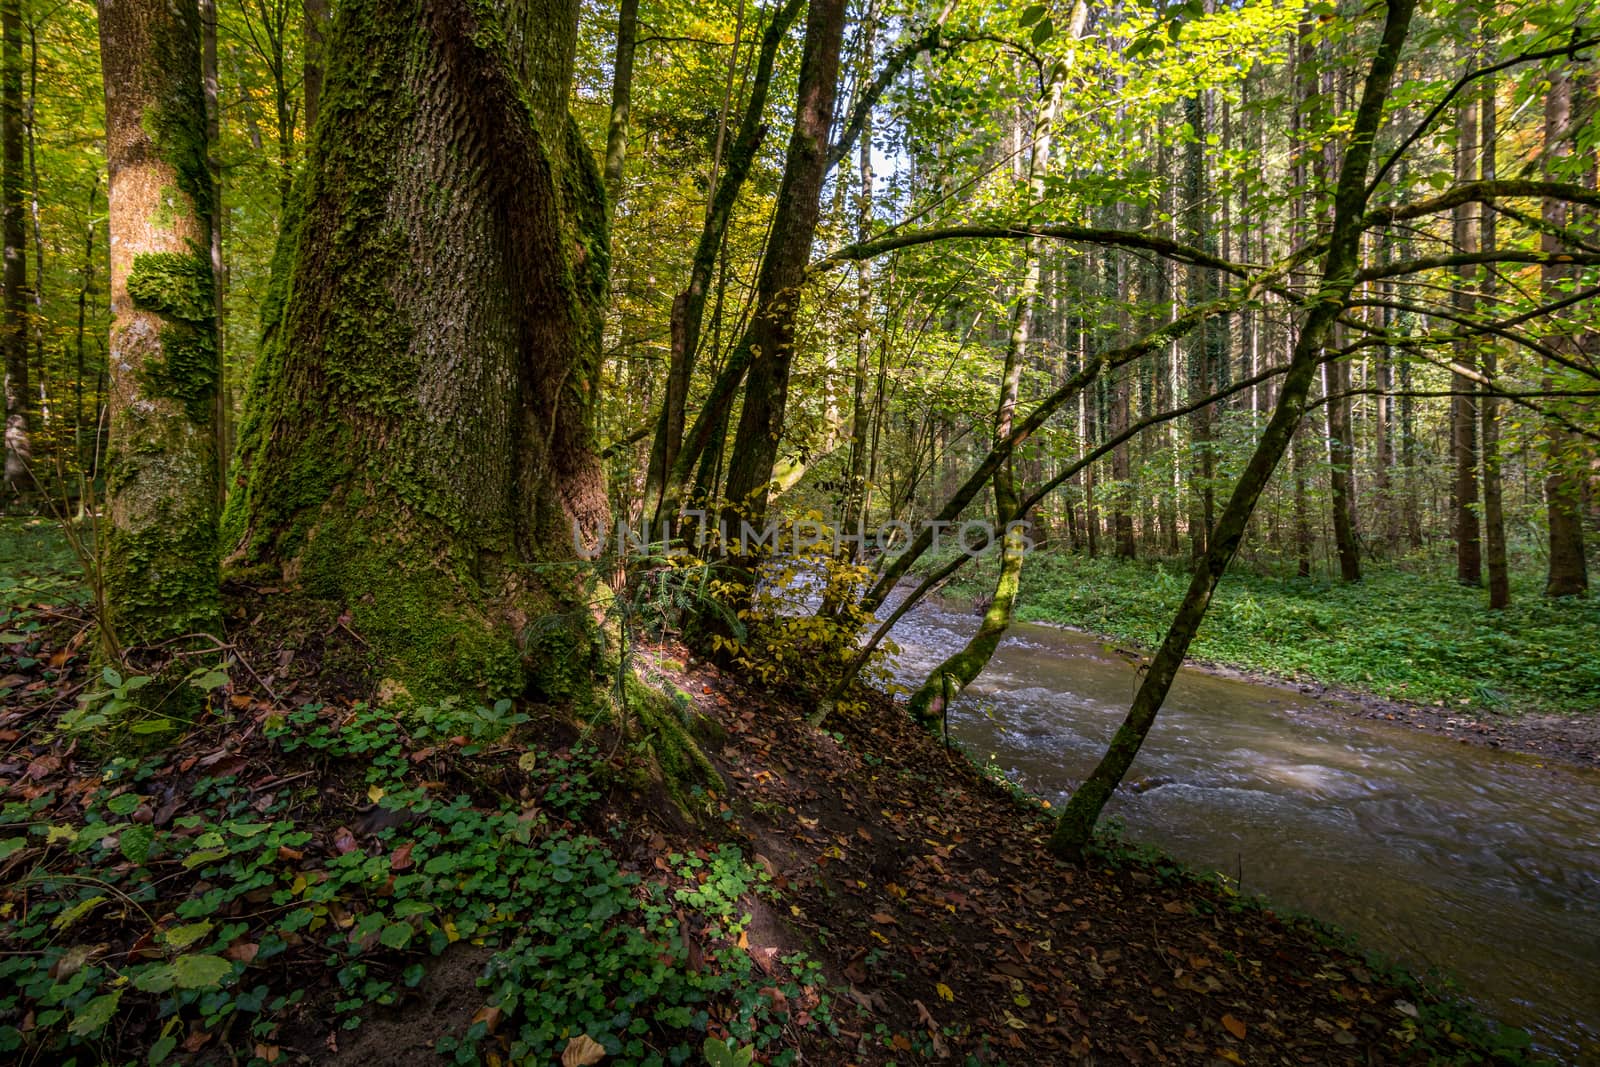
{"points": [[1200, 284], [621, 98], [1494, 521], [315, 13], [85, 290], [856, 491], [14, 325], [670, 465], [769, 340], [1341, 460], [420, 434], [1563, 483], [219, 274], [160, 553], [1077, 822], [1335, 384], [1463, 405]]}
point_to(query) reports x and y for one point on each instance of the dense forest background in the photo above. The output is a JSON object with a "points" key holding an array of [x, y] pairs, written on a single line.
{"points": [[1436, 426]]}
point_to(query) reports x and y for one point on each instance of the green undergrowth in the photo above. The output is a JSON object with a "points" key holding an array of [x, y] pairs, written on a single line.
{"points": [[37, 565], [218, 901], [1401, 635]]}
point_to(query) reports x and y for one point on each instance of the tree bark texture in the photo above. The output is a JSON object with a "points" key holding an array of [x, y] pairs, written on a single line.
{"points": [[419, 441]]}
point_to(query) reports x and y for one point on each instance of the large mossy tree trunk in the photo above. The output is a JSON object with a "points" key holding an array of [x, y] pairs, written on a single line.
{"points": [[1076, 825], [418, 449], [160, 550]]}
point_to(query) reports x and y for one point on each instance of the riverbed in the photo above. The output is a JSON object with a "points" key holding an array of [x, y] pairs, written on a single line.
{"points": [[1484, 864]]}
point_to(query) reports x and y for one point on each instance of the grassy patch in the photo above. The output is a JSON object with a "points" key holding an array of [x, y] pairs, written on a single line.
{"points": [[1397, 634]]}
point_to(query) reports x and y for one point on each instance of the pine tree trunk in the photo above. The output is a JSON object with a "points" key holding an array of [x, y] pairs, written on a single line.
{"points": [[419, 441], [1198, 226], [161, 539]]}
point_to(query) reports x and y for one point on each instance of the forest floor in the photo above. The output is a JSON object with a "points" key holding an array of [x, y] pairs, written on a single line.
{"points": [[1403, 646], [297, 877]]}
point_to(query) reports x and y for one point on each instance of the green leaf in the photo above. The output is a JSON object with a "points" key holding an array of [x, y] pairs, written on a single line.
{"points": [[135, 843], [161, 1050], [156, 979], [1031, 15], [152, 726], [213, 679], [1042, 32], [111, 678], [207, 856], [124, 803], [10, 845], [396, 935], [181, 937], [93, 1016], [721, 1053], [200, 972]]}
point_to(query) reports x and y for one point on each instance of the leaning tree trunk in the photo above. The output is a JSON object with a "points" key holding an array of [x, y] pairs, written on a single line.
{"points": [[161, 539], [1076, 825], [419, 442]]}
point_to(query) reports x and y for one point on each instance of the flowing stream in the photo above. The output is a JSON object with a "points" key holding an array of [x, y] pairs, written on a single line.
{"points": [[1482, 863]]}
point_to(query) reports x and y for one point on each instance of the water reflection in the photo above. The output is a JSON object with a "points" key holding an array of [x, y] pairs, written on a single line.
{"points": [[1483, 863]]}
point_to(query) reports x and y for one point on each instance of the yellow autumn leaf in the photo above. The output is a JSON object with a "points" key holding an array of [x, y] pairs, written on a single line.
{"points": [[374, 794], [945, 992]]}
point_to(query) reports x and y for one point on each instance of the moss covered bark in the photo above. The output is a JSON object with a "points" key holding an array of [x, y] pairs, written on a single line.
{"points": [[418, 441], [160, 550]]}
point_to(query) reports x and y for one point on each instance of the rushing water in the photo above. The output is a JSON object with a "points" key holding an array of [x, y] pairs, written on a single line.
{"points": [[1483, 863]]}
